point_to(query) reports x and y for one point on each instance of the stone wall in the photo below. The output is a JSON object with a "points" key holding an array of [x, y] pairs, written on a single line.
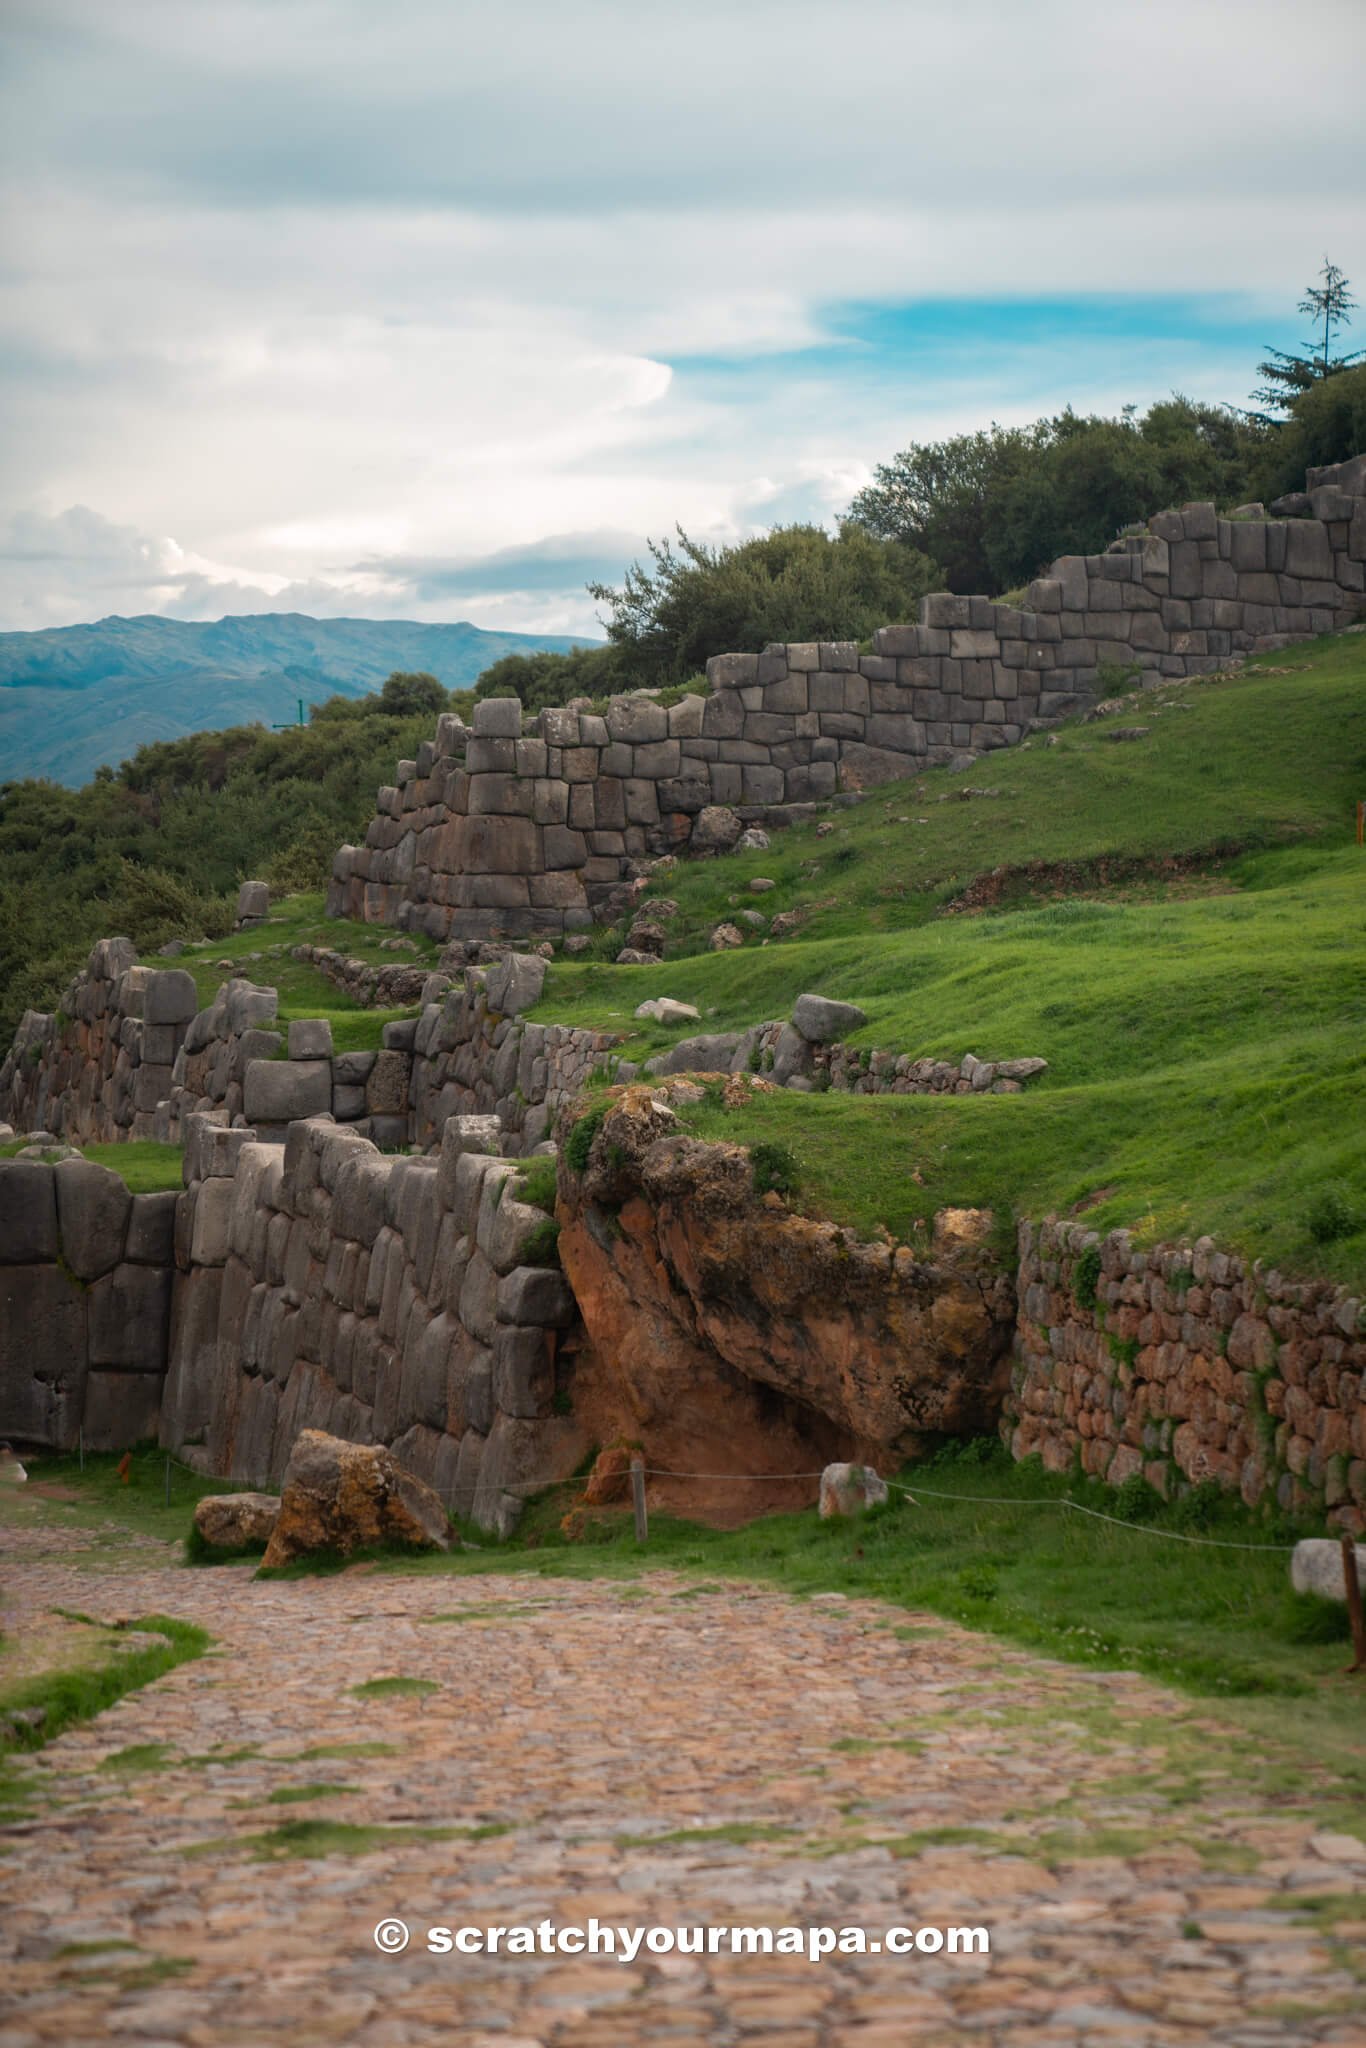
{"points": [[410, 1302], [85, 1303], [532, 827], [97, 1069], [1187, 1363]]}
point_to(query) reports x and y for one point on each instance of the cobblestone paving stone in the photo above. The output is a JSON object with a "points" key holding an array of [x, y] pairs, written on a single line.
{"points": [[663, 1753]]}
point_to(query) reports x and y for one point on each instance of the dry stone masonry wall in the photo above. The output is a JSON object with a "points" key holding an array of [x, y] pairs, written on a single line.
{"points": [[409, 1302], [530, 827], [1185, 1364], [96, 1070], [85, 1304]]}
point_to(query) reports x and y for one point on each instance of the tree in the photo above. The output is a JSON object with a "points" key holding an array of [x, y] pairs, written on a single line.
{"points": [[998, 506], [792, 583], [1287, 376], [410, 691]]}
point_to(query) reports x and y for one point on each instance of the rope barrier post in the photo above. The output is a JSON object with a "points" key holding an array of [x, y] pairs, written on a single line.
{"points": [[1352, 1585], [80, 1445], [638, 1499], [168, 1479]]}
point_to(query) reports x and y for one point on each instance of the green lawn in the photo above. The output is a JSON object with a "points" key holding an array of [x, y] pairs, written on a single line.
{"points": [[1203, 1031], [147, 1167], [264, 955]]}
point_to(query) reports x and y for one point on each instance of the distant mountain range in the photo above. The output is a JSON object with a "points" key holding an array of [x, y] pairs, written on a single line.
{"points": [[75, 697]]}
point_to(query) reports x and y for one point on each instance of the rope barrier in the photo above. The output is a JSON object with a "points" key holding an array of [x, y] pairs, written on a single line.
{"points": [[913, 1494]]}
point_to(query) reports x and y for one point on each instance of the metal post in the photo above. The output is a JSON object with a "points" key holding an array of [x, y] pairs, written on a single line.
{"points": [[638, 1499], [80, 1444], [168, 1479]]}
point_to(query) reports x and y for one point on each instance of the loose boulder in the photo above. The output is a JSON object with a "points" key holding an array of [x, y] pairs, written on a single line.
{"points": [[822, 1021], [343, 1497], [1316, 1567], [849, 1489], [665, 1010], [237, 1521]]}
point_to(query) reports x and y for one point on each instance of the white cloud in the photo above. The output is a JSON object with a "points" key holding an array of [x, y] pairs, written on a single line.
{"points": [[313, 285]]}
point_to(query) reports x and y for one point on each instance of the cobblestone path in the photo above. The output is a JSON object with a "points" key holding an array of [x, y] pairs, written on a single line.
{"points": [[661, 1752]]}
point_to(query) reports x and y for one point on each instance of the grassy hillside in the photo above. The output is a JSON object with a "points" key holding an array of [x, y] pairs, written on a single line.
{"points": [[1195, 974], [75, 697]]}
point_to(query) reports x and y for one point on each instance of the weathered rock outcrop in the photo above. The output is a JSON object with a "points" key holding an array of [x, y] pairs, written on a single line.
{"points": [[728, 1331], [237, 1521], [341, 1497]]}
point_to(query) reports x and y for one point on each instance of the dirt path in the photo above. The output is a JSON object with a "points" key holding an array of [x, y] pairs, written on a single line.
{"points": [[659, 1753]]}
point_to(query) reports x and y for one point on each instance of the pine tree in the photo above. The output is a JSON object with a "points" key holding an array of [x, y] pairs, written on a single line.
{"points": [[1287, 376]]}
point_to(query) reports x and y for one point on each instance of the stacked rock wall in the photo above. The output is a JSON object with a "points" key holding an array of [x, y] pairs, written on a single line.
{"points": [[85, 1302], [1184, 1364], [98, 1068], [387, 1300], [530, 827]]}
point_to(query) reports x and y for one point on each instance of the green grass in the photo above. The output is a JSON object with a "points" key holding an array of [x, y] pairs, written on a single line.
{"points": [[317, 1838], [1203, 1035], [98, 1493], [264, 955], [395, 1688], [147, 1167]]}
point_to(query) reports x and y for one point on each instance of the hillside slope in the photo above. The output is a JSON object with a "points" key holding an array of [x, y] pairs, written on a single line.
{"points": [[73, 698], [1173, 921]]}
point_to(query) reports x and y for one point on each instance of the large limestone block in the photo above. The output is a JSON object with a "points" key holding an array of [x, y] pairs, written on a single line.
{"points": [[822, 1021], [129, 1317], [515, 983], [211, 1238], [93, 1213], [342, 1497], [193, 1391], [498, 717], [28, 1211], [538, 1295], [253, 901], [282, 1091], [151, 1229], [519, 1455], [310, 1038], [42, 1355], [170, 997], [121, 1409]]}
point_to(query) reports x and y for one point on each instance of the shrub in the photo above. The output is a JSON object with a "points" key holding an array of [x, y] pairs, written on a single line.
{"points": [[1135, 1500], [775, 1169], [1086, 1277], [542, 1246], [1332, 1214], [579, 1143]]}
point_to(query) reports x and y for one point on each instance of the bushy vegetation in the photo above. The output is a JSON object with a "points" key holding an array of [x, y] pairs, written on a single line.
{"points": [[994, 508], [157, 849]]}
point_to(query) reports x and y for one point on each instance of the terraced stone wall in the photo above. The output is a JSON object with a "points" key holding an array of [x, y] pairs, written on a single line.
{"points": [[1185, 1363], [533, 827]]}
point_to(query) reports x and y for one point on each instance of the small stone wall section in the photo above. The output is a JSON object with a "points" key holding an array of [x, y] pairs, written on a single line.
{"points": [[97, 1069], [85, 1305], [531, 827], [384, 1300], [1189, 1364]]}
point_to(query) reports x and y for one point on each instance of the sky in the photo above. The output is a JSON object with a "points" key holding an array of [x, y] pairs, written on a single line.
{"points": [[437, 310]]}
